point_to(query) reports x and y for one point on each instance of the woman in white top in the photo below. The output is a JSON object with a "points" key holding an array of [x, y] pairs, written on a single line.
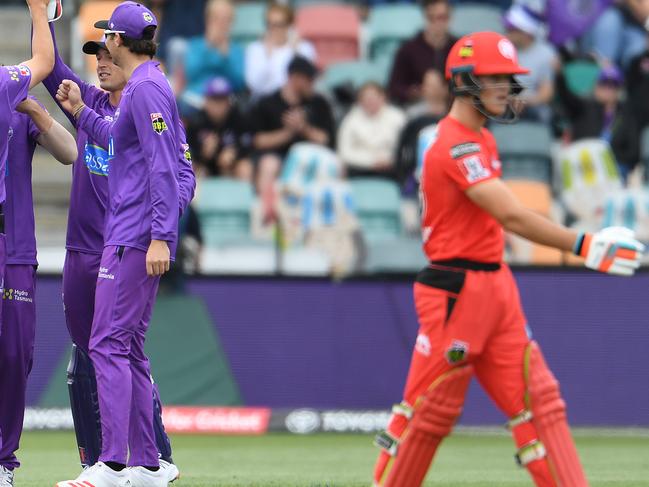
{"points": [[368, 135], [267, 59]]}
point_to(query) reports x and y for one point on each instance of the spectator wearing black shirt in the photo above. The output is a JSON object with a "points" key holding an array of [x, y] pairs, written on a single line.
{"points": [[220, 136], [427, 50], [294, 113], [429, 111]]}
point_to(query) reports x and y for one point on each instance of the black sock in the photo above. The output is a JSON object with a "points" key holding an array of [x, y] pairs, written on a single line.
{"points": [[152, 469], [118, 467]]}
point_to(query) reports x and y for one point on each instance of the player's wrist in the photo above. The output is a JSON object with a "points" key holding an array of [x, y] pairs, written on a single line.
{"points": [[77, 110]]}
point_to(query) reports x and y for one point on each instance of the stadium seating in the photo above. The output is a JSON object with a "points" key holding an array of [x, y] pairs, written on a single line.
{"points": [[475, 17], [378, 207], [334, 30], [389, 25], [581, 76], [224, 206], [354, 73], [398, 255], [525, 151], [249, 24]]}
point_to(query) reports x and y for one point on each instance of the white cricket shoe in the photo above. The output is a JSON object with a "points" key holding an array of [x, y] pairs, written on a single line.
{"points": [[171, 470], [6, 477], [99, 475], [142, 477]]}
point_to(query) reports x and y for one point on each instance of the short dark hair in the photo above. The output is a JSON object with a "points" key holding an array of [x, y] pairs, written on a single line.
{"points": [[145, 46], [427, 3]]}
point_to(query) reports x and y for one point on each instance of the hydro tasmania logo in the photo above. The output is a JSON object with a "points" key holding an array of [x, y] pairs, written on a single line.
{"points": [[17, 295], [104, 273]]}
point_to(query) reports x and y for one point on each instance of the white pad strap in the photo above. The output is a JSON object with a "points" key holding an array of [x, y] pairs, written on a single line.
{"points": [[525, 416], [530, 453], [403, 409]]}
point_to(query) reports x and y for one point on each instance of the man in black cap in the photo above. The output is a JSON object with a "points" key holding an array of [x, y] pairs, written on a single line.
{"points": [[294, 113]]}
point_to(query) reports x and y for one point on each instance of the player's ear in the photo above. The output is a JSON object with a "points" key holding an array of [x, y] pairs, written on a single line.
{"points": [[119, 41]]}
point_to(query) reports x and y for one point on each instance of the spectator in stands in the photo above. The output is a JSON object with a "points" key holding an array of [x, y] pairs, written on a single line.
{"points": [[429, 111], [220, 136], [525, 29], [213, 54], [637, 87], [594, 116], [619, 35], [368, 134], [294, 113], [427, 50], [267, 59]]}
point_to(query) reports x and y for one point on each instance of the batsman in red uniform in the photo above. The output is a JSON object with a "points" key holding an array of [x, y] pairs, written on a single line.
{"points": [[469, 310]]}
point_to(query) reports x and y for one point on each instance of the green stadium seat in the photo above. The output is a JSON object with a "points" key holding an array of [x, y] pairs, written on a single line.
{"points": [[355, 72], [389, 25], [474, 17], [581, 76], [224, 206], [396, 256], [378, 207], [249, 22], [525, 151]]}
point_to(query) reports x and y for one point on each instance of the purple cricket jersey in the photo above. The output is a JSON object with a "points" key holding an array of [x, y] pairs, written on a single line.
{"points": [[14, 86], [89, 191], [19, 206], [145, 143]]}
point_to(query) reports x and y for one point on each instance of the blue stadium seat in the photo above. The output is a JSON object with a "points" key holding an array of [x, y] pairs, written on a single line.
{"points": [[354, 72], [224, 206], [249, 22], [400, 255], [525, 151], [475, 17], [389, 25], [378, 207]]}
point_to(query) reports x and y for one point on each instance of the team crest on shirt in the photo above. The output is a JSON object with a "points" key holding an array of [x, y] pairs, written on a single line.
{"points": [[158, 122], [457, 352], [473, 168], [24, 71], [187, 153]]}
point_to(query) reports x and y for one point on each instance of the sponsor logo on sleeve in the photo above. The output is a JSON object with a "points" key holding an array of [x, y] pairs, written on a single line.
{"points": [[187, 154], [24, 71], [158, 122], [465, 149], [473, 169], [457, 352]]}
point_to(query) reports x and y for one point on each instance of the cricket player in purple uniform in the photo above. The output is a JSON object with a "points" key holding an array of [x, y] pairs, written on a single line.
{"points": [[30, 125], [140, 240], [85, 243], [15, 82]]}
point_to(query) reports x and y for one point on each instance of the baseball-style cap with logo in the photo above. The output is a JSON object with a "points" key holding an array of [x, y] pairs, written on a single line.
{"points": [[218, 87], [130, 19], [93, 47]]}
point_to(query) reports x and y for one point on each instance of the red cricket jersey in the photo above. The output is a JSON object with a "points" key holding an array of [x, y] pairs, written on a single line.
{"points": [[453, 227]]}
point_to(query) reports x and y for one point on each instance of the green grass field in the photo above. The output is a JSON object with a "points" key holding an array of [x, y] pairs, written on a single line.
{"points": [[342, 461]]}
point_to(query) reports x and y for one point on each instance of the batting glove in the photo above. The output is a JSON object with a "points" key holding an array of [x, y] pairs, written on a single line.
{"points": [[613, 250]]}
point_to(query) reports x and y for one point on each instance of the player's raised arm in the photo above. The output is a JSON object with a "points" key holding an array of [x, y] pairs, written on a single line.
{"points": [[42, 61], [52, 136]]}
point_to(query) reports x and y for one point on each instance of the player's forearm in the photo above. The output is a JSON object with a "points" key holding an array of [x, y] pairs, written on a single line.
{"points": [[94, 125], [42, 60], [532, 226], [59, 142]]}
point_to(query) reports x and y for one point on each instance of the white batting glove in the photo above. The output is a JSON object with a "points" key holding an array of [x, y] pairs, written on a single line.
{"points": [[613, 250], [54, 10]]}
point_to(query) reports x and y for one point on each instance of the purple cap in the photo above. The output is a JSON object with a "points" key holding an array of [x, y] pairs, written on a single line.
{"points": [[130, 19], [610, 75], [218, 87]]}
